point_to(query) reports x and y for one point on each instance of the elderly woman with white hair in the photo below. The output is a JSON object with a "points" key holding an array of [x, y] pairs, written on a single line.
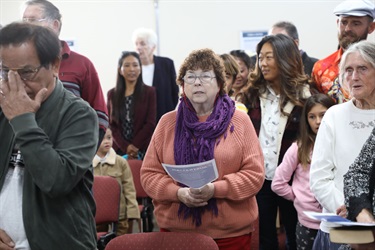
{"points": [[344, 129], [157, 71]]}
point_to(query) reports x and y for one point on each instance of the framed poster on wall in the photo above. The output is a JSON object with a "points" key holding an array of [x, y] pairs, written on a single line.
{"points": [[250, 39]]}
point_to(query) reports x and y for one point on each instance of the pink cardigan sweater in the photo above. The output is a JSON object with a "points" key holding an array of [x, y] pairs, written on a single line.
{"points": [[239, 161], [299, 192]]}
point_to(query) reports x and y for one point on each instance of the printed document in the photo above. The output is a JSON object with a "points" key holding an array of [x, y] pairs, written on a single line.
{"points": [[193, 175], [336, 219]]}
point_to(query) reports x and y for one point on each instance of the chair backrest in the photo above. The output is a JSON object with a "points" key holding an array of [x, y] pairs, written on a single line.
{"points": [[106, 191], [135, 166], [145, 206], [162, 240]]}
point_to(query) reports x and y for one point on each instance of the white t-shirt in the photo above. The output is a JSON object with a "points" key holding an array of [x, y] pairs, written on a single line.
{"points": [[11, 219], [341, 135], [148, 74]]}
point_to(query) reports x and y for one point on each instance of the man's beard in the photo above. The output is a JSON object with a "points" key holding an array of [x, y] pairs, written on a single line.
{"points": [[348, 38]]}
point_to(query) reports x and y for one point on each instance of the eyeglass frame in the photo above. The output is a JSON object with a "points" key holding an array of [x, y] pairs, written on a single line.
{"points": [[4, 76], [33, 20], [199, 77]]}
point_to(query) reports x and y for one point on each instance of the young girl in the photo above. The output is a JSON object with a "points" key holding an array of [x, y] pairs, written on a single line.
{"points": [[296, 165]]}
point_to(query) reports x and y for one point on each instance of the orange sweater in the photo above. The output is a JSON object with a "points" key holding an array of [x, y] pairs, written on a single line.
{"points": [[239, 161]]}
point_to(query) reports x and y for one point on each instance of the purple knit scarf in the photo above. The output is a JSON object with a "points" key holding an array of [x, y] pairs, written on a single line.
{"points": [[195, 142]]}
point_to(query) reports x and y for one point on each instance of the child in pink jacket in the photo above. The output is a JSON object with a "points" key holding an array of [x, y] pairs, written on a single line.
{"points": [[296, 167]]}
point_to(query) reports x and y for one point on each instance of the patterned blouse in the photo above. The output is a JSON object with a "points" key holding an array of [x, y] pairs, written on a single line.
{"points": [[359, 181], [268, 135], [325, 75], [127, 118]]}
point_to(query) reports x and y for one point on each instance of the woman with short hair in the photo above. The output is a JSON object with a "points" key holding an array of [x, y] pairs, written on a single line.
{"points": [[206, 126]]}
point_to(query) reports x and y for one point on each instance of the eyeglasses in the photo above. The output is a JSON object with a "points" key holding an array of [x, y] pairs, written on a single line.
{"points": [[26, 74], [204, 78], [33, 20]]}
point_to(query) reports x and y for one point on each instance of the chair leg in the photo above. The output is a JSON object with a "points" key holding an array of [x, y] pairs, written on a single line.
{"points": [[144, 224], [140, 227], [144, 219], [149, 209], [150, 216]]}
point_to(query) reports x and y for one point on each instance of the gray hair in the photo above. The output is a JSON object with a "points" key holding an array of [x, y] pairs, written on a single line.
{"points": [[365, 48], [147, 34], [51, 12]]}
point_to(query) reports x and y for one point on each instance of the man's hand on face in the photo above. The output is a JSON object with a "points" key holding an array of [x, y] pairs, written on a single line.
{"points": [[14, 100]]}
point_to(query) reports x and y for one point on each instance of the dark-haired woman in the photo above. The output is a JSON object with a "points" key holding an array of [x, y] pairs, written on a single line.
{"points": [[231, 72], [275, 97], [132, 108], [246, 65]]}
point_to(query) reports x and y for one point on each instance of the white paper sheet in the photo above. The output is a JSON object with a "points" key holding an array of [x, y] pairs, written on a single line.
{"points": [[193, 175], [336, 219]]}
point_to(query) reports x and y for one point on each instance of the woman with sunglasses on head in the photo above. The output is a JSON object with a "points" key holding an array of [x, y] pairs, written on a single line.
{"points": [[275, 98], [132, 108], [206, 127]]}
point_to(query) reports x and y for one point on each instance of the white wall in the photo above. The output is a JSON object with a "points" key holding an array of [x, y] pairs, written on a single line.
{"points": [[103, 28]]}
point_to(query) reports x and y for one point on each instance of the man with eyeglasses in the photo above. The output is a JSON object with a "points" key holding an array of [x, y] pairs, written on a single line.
{"points": [[46, 155], [77, 72]]}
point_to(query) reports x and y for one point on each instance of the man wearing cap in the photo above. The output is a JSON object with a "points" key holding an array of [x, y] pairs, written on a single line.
{"points": [[355, 21]]}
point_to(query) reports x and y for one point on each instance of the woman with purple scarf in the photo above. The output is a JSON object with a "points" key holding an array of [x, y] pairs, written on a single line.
{"points": [[206, 127]]}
